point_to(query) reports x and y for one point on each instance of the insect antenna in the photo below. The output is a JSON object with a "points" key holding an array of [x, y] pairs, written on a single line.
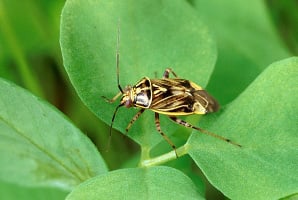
{"points": [[111, 126], [119, 86], [118, 57]]}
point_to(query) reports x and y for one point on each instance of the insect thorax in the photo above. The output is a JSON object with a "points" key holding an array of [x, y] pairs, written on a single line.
{"points": [[143, 93], [139, 95]]}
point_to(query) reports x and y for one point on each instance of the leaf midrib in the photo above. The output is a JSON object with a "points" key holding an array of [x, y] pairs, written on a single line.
{"points": [[40, 148]]}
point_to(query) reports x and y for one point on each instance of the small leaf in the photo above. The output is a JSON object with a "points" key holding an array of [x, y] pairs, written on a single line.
{"points": [[263, 120], [39, 146], [154, 35], [139, 183]]}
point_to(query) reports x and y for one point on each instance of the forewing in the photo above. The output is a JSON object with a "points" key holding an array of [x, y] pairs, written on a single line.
{"points": [[180, 97]]}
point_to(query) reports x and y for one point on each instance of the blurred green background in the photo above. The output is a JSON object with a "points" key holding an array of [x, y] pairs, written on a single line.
{"points": [[30, 56]]}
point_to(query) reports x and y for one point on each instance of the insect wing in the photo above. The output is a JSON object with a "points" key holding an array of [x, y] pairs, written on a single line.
{"points": [[180, 97], [206, 100]]}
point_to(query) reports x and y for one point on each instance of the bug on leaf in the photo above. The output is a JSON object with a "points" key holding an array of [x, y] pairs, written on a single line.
{"points": [[169, 96]]}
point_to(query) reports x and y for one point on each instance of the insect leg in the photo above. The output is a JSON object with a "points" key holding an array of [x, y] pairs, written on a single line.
{"points": [[134, 119], [186, 124], [157, 124], [113, 99], [167, 72]]}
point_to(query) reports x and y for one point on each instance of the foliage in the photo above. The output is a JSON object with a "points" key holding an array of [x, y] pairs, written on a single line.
{"points": [[229, 48]]}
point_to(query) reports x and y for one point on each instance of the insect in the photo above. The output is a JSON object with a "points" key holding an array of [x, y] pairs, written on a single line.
{"points": [[169, 96]]}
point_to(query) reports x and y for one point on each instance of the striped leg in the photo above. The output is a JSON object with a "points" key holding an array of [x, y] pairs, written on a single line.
{"points": [[184, 123], [167, 72], [134, 119], [157, 124]]}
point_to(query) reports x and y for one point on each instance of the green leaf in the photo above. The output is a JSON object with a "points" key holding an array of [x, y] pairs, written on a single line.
{"points": [[140, 183], [11, 191], [39, 146], [154, 35], [247, 43], [263, 119], [291, 197]]}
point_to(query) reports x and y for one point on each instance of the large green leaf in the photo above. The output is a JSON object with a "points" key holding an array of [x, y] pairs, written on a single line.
{"points": [[263, 119], [11, 191], [39, 146], [139, 183], [247, 43], [154, 35]]}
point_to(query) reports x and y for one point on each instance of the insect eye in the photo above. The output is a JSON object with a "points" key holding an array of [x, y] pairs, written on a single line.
{"points": [[128, 103]]}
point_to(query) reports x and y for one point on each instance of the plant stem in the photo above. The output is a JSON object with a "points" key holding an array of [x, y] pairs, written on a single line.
{"points": [[165, 157], [145, 153]]}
